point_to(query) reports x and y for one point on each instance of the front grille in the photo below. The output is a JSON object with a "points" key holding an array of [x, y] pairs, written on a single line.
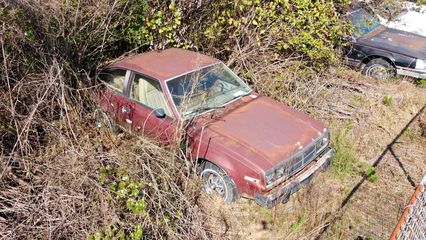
{"points": [[297, 162], [303, 158]]}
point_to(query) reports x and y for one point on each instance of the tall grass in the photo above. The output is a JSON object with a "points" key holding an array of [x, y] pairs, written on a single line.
{"points": [[345, 160], [53, 178]]}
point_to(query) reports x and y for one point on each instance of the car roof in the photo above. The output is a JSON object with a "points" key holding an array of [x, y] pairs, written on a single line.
{"points": [[165, 64]]}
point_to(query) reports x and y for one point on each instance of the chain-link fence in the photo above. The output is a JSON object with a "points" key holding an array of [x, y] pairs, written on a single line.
{"points": [[412, 224]]}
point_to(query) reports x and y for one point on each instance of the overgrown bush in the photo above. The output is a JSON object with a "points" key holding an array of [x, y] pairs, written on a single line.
{"points": [[306, 29], [52, 168], [309, 29]]}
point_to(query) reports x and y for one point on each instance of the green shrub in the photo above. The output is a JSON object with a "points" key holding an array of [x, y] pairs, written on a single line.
{"points": [[310, 29], [157, 25], [307, 29]]}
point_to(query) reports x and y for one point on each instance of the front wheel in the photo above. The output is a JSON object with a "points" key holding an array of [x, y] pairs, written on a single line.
{"points": [[216, 181], [379, 68]]}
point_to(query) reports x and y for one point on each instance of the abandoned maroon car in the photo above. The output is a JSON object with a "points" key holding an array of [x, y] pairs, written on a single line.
{"points": [[246, 144]]}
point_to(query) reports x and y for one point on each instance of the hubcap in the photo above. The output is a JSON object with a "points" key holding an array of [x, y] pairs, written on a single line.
{"points": [[378, 71], [213, 183]]}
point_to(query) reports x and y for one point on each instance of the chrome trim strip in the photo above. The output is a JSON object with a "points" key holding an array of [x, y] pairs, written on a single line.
{"points": [[193, 70], [410, 72]]}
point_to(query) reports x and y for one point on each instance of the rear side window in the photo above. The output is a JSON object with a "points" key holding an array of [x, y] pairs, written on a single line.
{"points": [[113, 79]]}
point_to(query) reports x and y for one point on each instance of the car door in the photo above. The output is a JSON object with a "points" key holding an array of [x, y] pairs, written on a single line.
{"points": [[114, 91], [147, 100]]}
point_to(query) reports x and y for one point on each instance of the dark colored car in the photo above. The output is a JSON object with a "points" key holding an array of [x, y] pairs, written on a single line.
{"points": [[382, 52], [246, 144]]}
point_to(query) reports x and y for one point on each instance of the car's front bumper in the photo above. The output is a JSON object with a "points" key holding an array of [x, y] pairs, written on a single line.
{"points": [[410, 72], [282, 192]]}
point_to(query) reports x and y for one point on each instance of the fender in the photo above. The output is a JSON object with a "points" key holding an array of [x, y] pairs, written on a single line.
{"points": [[231, 163]]}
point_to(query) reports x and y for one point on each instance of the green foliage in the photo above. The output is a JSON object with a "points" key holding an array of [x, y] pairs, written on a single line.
{"points": [[387, 100], [371, 174], [131, 198], [129, 193], [114, 232], [344, 161], [421, 83], [309, 28], [157, 25]]}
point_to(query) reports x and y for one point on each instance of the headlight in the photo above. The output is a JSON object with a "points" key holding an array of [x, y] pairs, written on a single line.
{"points": [[420, 64], [323, 141], [280, 172], [326, 138], [270, 178]]}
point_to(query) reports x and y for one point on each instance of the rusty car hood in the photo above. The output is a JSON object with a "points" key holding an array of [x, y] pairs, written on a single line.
{"points": [[397, 41], [263, 132]]}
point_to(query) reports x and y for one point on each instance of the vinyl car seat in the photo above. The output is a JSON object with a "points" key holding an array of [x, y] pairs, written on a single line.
{"points": [[152, 96]]}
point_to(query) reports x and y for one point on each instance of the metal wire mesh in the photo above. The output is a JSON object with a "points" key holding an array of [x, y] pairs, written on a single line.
{"points": [[413, 221]]}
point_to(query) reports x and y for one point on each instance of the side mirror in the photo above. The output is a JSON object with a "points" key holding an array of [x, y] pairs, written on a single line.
{"points": [[159, 112]]}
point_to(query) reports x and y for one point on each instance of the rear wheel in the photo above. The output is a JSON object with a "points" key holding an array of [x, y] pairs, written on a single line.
{"points": [[104, 121], [379, 68], [216, 181]]}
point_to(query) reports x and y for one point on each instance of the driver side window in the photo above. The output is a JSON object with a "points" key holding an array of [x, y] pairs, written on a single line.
{"points": [[149, 93]]}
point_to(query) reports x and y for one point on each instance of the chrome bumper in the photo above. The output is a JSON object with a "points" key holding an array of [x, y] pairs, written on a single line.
{"points": [[282, 193], [410, 72]]}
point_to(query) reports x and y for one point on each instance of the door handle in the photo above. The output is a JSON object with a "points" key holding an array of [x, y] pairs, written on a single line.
{"points": [[125, 109]]}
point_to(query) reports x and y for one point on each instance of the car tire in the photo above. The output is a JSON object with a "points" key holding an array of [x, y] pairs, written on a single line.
{"points": [[216, 181], [104, 121], [379, 68]]}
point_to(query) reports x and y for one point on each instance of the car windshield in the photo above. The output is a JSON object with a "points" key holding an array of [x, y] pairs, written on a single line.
{"points": [[205, 89], [363, 22]]}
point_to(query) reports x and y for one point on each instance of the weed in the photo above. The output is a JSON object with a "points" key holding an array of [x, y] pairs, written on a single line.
{"points": [[297, 226], [371, 174], [344, 161], [421, 83], [387, 100], [266, 214]]}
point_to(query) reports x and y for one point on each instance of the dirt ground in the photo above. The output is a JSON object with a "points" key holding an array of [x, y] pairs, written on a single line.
{"points": [[367, 200]]}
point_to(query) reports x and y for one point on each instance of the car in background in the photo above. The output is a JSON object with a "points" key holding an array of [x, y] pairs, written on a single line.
{"points": [[245, 144], [383, 52]]}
